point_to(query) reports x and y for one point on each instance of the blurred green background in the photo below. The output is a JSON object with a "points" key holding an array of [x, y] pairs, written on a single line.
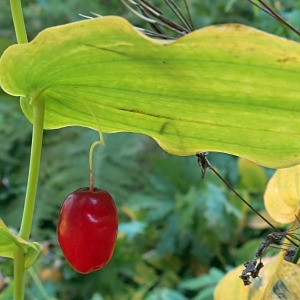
{"points": [[178, 235]]}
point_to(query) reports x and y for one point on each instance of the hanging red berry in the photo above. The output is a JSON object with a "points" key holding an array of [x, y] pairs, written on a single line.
{"points": [[87, 229]]}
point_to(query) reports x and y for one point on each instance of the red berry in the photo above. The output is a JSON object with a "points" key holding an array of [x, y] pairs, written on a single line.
{"points": [[87, 229]]}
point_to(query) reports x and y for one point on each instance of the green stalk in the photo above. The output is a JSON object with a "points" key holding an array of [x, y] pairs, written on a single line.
{"points": [[37, 137], [19, 269], [34, 166], [297, 256], [18, 19]]}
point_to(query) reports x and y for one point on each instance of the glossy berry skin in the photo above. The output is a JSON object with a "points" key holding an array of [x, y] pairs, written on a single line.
{"points": [[87, 229]]}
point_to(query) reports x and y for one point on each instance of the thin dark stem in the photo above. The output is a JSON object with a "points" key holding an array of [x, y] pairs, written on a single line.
{"points": [[179, 14], [267, 9], [238, 195], [151, 14], [189, 15], [205, 164]]}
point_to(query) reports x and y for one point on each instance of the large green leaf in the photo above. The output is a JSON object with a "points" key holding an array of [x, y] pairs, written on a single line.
{"points": [[10, 241], [225, 88]]}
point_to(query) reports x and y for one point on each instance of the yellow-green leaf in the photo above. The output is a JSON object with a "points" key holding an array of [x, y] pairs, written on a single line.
{"points": [[252, 176], [282, 196], [9, 242], [225, 88]]}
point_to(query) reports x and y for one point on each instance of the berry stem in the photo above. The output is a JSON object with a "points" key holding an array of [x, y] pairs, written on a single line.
{"points": [[100, 142], [34, 166], [92, 179]]}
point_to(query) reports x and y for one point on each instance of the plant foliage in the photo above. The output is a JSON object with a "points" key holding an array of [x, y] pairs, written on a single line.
{"points": [[178, 235]]}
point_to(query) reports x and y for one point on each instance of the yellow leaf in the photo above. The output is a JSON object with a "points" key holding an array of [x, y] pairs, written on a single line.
{"points": [[282, 194], [278, 279], [284, 283], [231, 287]]}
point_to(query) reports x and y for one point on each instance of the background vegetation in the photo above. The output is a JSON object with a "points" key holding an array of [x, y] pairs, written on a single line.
{"points": [[178, 235]]}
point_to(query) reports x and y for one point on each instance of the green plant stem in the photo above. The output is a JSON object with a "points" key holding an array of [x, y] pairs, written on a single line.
{"points": [[37, 137], [18, 19], [34, 166], [19, 270], [297, 256]]}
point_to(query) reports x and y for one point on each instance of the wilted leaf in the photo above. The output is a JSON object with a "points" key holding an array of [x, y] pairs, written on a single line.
{"points": [[282, 196], [231, 287], [223, 88], [9, 242], [284, 284]]}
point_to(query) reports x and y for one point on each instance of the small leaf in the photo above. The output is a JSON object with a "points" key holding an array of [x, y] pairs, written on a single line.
{"points": [[167, 263], [9, 242], [226, 88], [145, 275], [165, 294], [282, 194], [203, 281], [252, 175], [131, 229], [205, 294]]}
